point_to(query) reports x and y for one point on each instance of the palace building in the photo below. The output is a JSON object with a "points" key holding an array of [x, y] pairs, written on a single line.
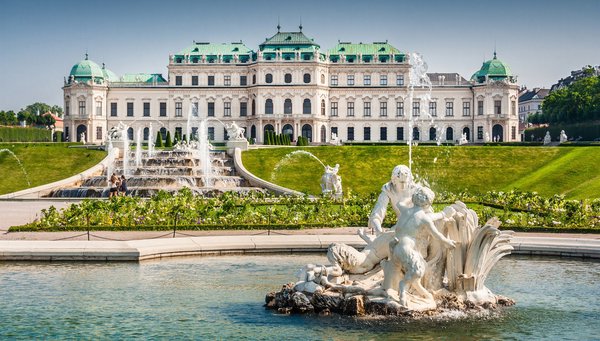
{"points": [[355, 91]]}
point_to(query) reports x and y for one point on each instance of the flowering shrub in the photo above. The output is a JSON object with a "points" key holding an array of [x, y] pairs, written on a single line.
{"points": [[517, 210]]}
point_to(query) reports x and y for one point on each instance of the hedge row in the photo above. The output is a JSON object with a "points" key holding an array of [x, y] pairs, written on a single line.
{"points": [[588, 131], [19, 134]]}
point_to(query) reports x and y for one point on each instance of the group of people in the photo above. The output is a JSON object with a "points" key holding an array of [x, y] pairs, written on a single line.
{"points": [[118, 186]]}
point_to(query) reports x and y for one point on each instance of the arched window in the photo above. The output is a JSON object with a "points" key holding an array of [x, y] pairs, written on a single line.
{"points": [[130, 134], [323, 134], [253, 132], [467, 133], [322, 78], [253, 108], [269, 106], [82, 132], [253, 79], [498, 133], [449, 134], [146, 133], [287, 78], [287, 106], [268, 78], [163, 133], [307, 78], [416, 134], [306, 107], [288, 130], [307, 132], [432, 134], [323, 107]]}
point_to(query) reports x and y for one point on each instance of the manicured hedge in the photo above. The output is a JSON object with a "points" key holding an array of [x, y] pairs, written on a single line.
{"points": [[19, 134], [588, 131]]}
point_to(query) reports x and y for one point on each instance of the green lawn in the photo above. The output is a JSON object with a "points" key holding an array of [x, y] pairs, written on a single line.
{"points": [[43, 163], [572, 171]]}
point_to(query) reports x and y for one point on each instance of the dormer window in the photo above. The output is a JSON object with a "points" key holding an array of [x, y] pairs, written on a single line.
{"points": [[236, 49], [288, 38]]}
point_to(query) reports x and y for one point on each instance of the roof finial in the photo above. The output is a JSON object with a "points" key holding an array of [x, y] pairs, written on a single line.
{"points": [[86, 54], [103, 66], [278, 25], [300, 24], [494, 49]]}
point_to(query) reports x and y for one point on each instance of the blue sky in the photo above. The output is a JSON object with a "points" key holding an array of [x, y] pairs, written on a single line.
{"points": [[542, 41]]}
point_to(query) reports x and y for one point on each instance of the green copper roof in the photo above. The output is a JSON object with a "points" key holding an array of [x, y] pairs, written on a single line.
{"points": [[142, 78], [215, 49], [494, 69], [85, 70], [109, 75], [287, 39], [364, 49]]}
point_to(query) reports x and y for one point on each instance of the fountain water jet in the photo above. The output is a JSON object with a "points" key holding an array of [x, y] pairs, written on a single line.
{"points": [[19, 163]]}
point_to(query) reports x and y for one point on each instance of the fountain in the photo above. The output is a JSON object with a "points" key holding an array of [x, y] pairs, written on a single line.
{"points": [[190, 164], [138, 147], [10, 152], [427, 264], [331, 182]]}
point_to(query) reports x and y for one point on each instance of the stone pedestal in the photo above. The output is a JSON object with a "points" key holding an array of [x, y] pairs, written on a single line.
{"points": [[233, 144]]}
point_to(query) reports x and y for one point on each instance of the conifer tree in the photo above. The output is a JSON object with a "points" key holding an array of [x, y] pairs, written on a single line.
{"points": [[159, 141], [168, 142]]}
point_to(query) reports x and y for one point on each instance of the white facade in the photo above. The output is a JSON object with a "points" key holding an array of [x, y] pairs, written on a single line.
{"points": [[358, 101]]}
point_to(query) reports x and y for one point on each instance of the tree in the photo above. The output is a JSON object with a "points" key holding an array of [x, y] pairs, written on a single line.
{"points": [[25, 116], [159, 141], [168, 142]]}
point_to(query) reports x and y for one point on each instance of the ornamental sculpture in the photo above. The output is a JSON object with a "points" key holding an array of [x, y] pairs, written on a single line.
{"points": [[427, 263]]}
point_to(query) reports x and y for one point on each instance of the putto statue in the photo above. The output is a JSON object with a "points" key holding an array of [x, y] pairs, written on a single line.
{"points": [[331, 182], [426, 262]]}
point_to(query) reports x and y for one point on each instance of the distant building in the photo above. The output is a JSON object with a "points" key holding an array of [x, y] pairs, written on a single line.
{"points": [[355, 91], [587, 71], [59, 124], [530, 102]]}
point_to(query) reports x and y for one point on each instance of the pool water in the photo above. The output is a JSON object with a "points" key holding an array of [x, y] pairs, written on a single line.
{"points": [[223, 297]]}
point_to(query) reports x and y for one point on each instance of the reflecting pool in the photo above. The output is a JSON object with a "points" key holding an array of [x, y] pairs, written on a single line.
{"points": [[222, 298]]}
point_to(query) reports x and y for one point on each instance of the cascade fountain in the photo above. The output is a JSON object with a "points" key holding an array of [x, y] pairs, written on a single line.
{"points": [[190, 164], [10, 152]]}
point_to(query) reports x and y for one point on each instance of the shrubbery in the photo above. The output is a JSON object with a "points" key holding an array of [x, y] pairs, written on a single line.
{"points": [[18, 134], [516, 210]]}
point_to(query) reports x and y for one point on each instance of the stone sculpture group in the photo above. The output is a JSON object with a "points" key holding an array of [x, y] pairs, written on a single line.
{"points": [[331, 182], [428, 262]]}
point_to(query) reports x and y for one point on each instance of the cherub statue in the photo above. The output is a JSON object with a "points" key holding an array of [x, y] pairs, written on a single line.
{"points": [[404, 254]]}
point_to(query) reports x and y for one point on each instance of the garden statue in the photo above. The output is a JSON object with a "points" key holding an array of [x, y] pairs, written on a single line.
{"points": [[463, 139], [331, 182], [82, 137], [397, 191], [427, 262], [563, 137], [486, 137], [547, 139], [235, 132]]}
